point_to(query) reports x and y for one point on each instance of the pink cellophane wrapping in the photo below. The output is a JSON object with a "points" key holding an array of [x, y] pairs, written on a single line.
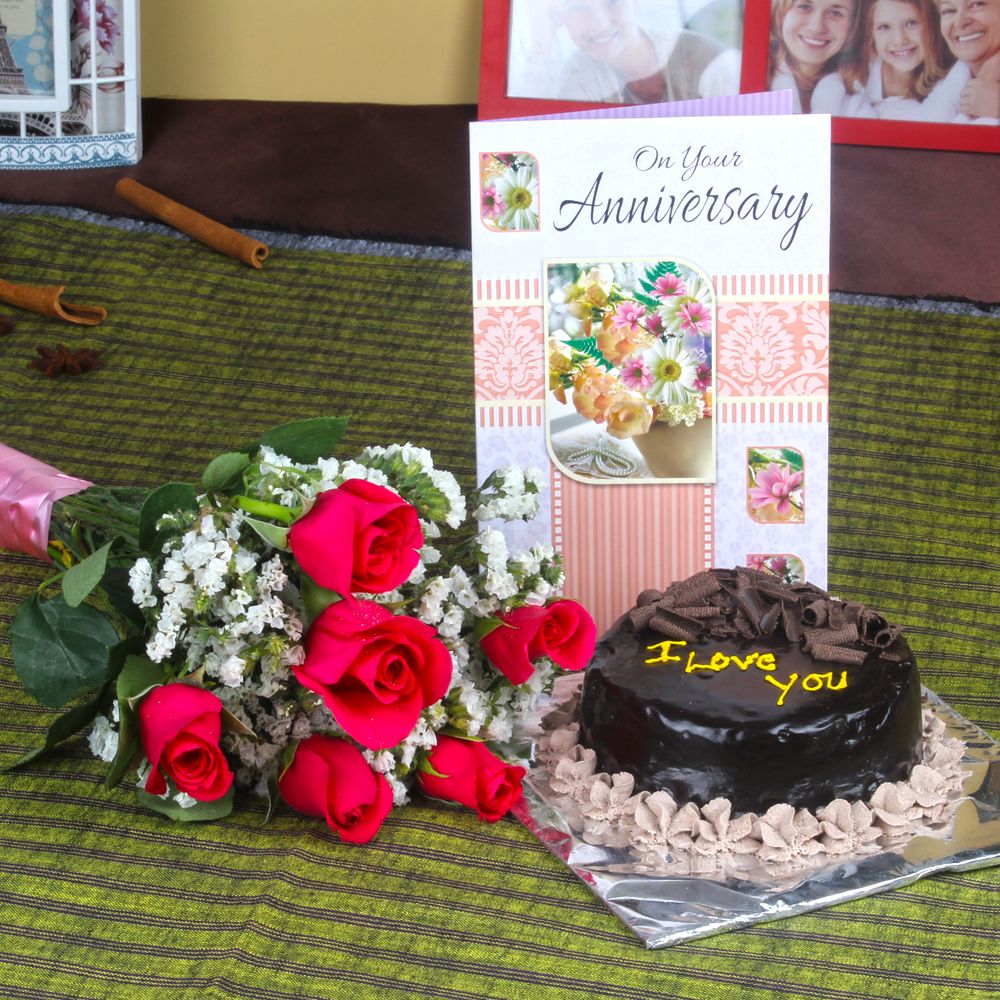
{"points": [[28, 489]]}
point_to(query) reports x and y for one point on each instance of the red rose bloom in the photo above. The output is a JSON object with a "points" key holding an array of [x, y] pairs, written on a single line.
{"points": [[473, 776], [179, 727], [376, 671], [563, 631], [358, 538], [330, 778]]}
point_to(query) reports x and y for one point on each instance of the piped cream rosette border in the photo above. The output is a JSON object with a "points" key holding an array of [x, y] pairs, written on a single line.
{"points": [[664, 837]]}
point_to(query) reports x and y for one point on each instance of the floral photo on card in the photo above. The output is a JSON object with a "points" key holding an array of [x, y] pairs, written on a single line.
{"points": [[630, 370], [775, 485], [787, 567], [508, 185]]}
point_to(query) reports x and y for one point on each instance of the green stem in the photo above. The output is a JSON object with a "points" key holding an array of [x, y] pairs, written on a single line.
{"points": [[49, 581], [265, 509]]}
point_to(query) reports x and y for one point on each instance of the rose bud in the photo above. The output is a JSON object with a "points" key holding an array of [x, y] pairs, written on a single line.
{"points": [[358, 538], [375, 671], [330, 778], [563, 631], [179, 727], [471, 775]]}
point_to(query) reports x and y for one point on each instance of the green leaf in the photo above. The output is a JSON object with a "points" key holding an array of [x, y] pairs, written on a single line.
{"points": [[198, 813], [426, 768], [225, 471], [80, 580], [139, 675], [588, 346], [59, 650], [459, 734], [231, 724], [273, 534], [273, 798], [306, 441], [315, 598], [128, 745], [68, 724], [793, 458], [484, 626], [168, 499]]}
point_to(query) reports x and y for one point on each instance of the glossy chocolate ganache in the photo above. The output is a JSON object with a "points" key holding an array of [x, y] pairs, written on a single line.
{"points": [[731, 684]]}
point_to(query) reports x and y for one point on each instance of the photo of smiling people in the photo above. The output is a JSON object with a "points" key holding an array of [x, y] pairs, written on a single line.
{"points": [[899, 58], [905, 60], [624, 51], [970, 93], [808, 40]]}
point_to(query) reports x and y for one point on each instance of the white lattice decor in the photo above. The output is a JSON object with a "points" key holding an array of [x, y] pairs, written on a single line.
{"points": [[101, 125]]}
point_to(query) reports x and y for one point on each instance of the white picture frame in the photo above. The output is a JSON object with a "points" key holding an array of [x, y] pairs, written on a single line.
{"points": [[100, 124], [34, 55]]}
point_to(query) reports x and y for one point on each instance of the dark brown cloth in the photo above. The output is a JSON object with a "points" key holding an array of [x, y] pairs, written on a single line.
{"points": [[905, 222]]}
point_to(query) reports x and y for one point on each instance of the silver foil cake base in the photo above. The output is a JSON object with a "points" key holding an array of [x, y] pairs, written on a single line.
{"points": [[685, 904]]}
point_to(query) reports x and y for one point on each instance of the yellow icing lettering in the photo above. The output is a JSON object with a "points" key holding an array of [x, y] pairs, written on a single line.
{"points": [[816, 681], [664, 648], [785, 688], [763, 661], [718, 662]]}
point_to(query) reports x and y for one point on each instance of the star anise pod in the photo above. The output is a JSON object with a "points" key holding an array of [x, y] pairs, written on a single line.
{"points": [[61, 360], [6, 325]]}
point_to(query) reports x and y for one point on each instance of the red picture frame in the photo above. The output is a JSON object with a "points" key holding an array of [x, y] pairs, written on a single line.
{"points": [[494, 102]]}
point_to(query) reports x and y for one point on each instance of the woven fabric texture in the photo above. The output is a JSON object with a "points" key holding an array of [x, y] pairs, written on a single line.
{"points": [[102, 899]]}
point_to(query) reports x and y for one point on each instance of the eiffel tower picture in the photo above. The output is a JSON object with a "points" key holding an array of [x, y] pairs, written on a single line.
{"points": [[11, 75]]}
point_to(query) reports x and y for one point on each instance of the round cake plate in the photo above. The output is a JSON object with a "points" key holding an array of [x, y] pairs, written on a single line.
{"points": [[667, 909]]}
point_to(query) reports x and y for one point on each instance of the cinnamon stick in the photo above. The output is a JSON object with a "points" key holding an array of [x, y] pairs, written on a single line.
{"points": [[45, 300], [199, 227]]}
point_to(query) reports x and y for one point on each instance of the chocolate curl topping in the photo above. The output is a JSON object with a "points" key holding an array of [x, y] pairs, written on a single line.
{"points": [[836, 614], [870, 624], [838, 654], [640, 616], [769, 621], [887, 636], [648, 597], [815, 614], [774, 590], [744, 627], [674, 629], [705, 611], [752, 605], [846, 635], [696, 589], [792, 620], [747, 603]]}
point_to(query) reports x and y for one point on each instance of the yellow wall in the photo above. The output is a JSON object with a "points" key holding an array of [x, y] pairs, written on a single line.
{"points": [[381, 51]]}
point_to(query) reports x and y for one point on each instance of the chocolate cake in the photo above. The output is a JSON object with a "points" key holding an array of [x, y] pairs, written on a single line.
{"points": [[734, 685]]}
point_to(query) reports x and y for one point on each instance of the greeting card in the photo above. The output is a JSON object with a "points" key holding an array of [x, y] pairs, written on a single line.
{"points": [[651, 329]]}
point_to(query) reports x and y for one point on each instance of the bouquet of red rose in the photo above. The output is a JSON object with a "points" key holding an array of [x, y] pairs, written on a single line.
{"points": [[290, 627]]}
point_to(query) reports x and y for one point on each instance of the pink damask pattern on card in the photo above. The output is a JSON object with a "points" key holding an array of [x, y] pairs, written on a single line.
{"points": [[510, 349], [773, 349]]}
